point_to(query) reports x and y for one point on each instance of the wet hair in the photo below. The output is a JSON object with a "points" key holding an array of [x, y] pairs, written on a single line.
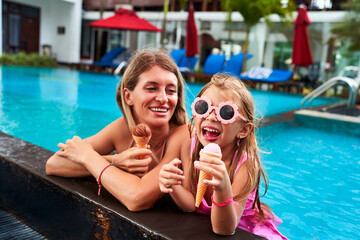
{"points": [[237, 92], [141, 62]]}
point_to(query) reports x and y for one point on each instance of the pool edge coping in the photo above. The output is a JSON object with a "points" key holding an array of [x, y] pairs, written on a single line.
{"points": [[327, 115], [13, 153]]}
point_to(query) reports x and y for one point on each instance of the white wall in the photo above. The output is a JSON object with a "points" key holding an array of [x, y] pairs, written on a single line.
{"points": [[54, 13]]}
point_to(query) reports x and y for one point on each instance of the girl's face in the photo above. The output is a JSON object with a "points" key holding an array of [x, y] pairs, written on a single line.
{"points": [[154, 98], [210, 129]]}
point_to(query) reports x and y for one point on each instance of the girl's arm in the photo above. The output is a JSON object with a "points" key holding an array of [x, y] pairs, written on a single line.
{"points": [[225, 214], [135, 193], [185, 199], [224, 219], [171, 180]]}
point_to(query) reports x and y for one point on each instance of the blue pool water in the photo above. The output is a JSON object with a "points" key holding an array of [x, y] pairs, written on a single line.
{"points": [[314, 175], [45, 106], [314, 180]]}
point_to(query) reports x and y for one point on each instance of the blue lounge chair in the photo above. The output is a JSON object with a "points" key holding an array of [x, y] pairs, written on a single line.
{"points": [[266, 75], [234, 64], [113, 58], [177, 55], [275, 77], [187, 64], [214, 64]]}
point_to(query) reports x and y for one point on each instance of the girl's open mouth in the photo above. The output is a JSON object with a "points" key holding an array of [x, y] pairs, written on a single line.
{"points": [[210, 134]]}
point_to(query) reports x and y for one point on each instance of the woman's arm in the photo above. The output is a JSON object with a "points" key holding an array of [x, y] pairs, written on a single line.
{"points": [[142, 193], [135, 193], [102, 142]]}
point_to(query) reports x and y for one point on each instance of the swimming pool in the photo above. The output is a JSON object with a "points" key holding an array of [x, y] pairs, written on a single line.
{"points": [[35, 100], [314, 179], [47, 106]]}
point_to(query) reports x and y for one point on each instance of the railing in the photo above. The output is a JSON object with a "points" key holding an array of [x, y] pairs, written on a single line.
{"points": [[118, 69], [353, 85]]}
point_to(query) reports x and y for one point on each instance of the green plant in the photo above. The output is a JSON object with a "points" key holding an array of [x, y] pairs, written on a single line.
{"points": [[254, 10], [23, 59], [348, 29]]}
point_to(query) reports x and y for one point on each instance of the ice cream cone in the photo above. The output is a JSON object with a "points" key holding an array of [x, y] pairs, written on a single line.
{"points": [[141, 135], [141, 142], [201, 188]]}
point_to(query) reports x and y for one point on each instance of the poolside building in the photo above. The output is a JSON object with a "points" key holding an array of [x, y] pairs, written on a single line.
{"points": [[61, 28]]}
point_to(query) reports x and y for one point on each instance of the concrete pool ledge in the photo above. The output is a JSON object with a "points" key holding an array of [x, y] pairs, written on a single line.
{"points": [[329, 122], [327, 115], [69, 208]]}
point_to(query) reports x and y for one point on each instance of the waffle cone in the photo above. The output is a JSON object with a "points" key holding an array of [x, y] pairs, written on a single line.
{"points": [[141, 142], [201, 189]]}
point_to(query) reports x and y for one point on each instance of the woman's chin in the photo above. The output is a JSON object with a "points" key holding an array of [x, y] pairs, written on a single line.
{"points": [[159, 122]]}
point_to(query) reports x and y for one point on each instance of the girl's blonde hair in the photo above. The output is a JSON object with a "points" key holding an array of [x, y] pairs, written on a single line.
{"points": [[239, 94], [141, 62]]}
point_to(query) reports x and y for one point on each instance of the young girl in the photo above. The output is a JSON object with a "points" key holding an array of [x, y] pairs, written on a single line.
{"points": [[232, 195]]}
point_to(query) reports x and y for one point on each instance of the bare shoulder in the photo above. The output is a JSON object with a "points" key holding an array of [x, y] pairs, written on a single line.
{"points": [[186, 148], [110, 136], [178, 136], [180, 132], [173, 145], [186, 153]]}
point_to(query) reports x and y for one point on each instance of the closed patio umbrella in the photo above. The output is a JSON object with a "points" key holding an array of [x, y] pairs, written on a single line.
{"points": [[301, 54], [191, 43]]}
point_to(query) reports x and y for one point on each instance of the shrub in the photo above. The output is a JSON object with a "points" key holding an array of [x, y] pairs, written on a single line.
{"points": [[23, 59]]}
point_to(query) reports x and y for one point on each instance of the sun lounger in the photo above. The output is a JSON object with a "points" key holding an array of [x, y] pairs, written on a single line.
{"points": [[234, 64], [267, 75], [187, 64], [214, 63], [112, 58], [276, 77], [177, 55]]}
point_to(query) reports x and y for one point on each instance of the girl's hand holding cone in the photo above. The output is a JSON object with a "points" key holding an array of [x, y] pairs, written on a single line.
{"points": [[212, 171], [216, 168]]}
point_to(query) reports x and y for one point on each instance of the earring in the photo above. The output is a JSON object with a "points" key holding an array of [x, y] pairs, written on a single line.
{"points": [[238, 142]]}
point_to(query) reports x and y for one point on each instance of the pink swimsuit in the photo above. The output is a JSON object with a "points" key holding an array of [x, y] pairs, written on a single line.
{"points": [[248, 222]]}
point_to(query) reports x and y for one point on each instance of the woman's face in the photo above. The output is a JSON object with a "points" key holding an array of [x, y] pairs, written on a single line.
{"points": [[210, 129], [155, 97]]}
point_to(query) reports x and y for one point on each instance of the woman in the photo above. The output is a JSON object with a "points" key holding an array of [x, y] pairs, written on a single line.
{"points": [[152, 92]]}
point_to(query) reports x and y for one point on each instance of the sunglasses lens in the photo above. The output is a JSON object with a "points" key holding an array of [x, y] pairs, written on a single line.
{"points": [[201, 107], [227, 112]]}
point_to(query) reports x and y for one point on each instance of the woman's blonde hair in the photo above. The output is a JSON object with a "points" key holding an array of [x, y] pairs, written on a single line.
{"points": [[141, 62], [236, 90]]}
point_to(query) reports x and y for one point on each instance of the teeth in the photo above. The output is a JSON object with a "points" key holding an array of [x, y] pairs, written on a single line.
{"points": [[159, 109], [211, 130]]}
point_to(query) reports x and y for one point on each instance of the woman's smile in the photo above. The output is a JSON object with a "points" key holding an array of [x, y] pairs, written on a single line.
{"points": [[155, 96]]}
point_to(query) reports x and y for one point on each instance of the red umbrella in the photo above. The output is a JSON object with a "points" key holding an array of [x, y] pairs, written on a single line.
{"points": [[125, 19], [191, 44], [301, 55]]}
